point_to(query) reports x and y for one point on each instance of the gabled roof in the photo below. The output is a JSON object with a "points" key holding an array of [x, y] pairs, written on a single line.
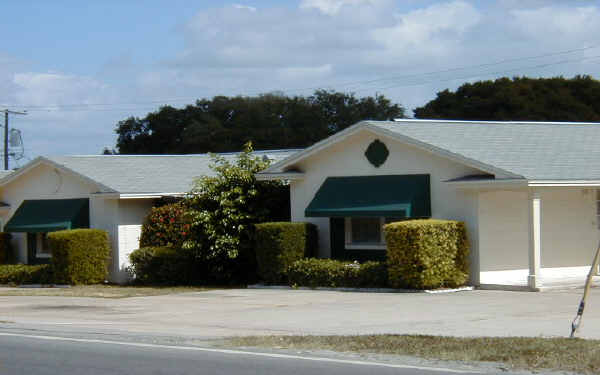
{"points": [[139, 174], [528, 150]]}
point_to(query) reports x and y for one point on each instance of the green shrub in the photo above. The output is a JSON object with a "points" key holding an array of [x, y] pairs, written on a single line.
{"points": [[162, 265], [80, 256], [226, 206], [372, 275], [424, 254], [279, 244], [168, 225], [5, 248], [314, 272], [16, 274]]}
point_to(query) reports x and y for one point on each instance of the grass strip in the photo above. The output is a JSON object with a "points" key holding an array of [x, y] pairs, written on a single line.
{"points": [[99, 291], [558, 354]]}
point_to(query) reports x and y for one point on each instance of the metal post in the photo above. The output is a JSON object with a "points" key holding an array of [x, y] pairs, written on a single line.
{"points": [[6, 113], [6, 140], [586, 290]]}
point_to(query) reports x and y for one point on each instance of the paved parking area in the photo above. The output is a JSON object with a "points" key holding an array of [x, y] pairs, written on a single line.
{"points": [[221, 313]]}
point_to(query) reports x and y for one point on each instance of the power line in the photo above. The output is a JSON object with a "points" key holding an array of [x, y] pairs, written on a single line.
{"points": [[87, 106], [479, 74], [471, 66], [538, 66]]}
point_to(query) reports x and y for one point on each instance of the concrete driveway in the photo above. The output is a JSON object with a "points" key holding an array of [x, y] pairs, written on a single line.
{"points": [[221, 313]]}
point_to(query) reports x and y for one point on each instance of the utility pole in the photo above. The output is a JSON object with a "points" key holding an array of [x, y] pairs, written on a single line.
{"points": [[6, 113]]}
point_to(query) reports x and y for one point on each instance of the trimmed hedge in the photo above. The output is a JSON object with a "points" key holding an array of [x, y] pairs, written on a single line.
{"points": [[423, 254], [80, 256], [314, 272], [161, 265], [5, 248], [168, 225], [279, 244], [16, 274]]}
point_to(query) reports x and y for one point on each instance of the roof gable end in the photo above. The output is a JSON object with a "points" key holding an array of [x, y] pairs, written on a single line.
{"points": [[286, 164], [45, 161]]}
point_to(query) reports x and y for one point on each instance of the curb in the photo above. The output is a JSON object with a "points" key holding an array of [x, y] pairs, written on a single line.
{"points": [[363, 290], [50, 286]]}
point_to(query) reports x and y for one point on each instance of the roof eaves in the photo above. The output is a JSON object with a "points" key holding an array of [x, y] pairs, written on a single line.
{"points": [[263, 176], [565, 183], [568, 123]]}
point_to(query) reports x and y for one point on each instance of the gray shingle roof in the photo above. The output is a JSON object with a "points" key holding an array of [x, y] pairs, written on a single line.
{"points": [[535, 151], [4, 173], [149, 173]]}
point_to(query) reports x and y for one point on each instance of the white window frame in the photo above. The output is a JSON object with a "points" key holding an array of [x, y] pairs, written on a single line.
{"points": [[364, 245], [39, 245]]}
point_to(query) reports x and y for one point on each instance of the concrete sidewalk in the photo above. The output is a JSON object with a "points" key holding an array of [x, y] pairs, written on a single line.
{"points": [[222, 313]]}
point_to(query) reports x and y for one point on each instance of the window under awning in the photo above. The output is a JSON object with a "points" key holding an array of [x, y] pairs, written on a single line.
{"points": [[373, 196], [50, 215]]}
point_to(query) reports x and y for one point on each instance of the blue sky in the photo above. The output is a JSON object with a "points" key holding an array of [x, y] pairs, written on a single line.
{"points": [[79, 67]]}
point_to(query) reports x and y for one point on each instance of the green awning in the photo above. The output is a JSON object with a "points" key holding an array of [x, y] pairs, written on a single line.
{"points": [[372, 196], [50, 215]]}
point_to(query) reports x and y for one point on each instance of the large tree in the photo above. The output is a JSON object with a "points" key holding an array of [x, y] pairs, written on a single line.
{"points": [[541, 99], [270, 121]]}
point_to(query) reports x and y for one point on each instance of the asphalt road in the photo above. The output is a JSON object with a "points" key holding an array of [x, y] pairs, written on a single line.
{"points": [[22, 354]]}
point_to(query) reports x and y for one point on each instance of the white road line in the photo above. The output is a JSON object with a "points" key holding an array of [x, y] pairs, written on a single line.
{"points": [[237, 352]]}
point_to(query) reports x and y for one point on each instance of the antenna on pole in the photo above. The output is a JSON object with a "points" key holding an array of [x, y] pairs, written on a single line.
{"points": [[6, 113]]}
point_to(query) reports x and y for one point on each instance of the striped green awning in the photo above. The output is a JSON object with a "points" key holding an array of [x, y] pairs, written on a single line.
{"points": [[372, 196], [49, 215]]}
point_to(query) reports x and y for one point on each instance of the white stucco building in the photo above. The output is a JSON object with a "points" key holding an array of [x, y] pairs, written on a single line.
{"points": [[527, 192], [109, 192]]}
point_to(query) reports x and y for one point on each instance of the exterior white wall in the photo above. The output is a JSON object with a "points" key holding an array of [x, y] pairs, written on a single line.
{"points": [[569, 228], [41, 182], [132, 213], [122, 219], [503, 230], [347, 158], [104, 214]]}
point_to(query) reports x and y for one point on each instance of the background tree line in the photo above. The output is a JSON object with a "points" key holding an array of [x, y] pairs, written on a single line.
{"points": [[520, 98], [276, 121], [269, 121]]}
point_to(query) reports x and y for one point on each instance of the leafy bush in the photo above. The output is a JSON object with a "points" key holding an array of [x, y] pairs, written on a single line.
{"points": [[314, 272], [425, 254], [162, 265], [280, 244], [16, 274], [5, 248], [80, 256], [225, 208], [168, 225]]}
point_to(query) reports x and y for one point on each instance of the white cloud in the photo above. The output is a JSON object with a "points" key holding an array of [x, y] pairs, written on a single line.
{"points": [[246, 7], [62, 113], [301, 73], [433, 32], [558, 24], [333, 7], [52, 89]]}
